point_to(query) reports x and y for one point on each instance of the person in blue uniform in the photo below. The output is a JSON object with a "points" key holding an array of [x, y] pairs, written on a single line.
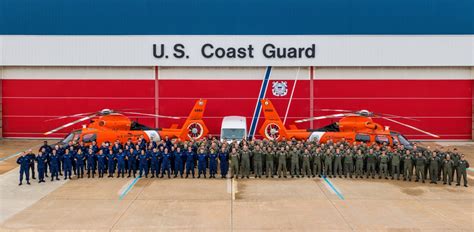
{"points": [[73, 153], [46, 147], [212, 164], [41, 159], [67, 163], [94, 147], [178, 162], [46, 153], [142, 143], [165, 165], [101, 160], [32, 158], [189, 161], [60, 152], [143, 164], [202, 163], [224, 162], [24, 162], [105, 150], [91, 162], [120, 156], [111, 163], [54, 165], [116, 148], [132, 162], [80, 163], [155, 168]]}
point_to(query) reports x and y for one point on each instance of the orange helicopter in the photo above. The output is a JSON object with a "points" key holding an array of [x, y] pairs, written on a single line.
{"points": [[110, 125], [355, 126]]}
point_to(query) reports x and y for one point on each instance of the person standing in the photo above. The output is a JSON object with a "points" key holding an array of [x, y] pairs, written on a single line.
{"points": [[317, 162], [31, 158], [179, 160], [434, 163], [212, 164], [359, 164], [257, 161], [383, 166], [245, 162], [420, 167], [189, 161], [90, 161], [328, 164], [348, 163], [282, 162], [165, 165], [155, 167], [101, 163], [79, 164], [224, 162], [306, 163], [295, 163], [338, 163], [54, 165], [234, 163], [111, 163], [202, 162], [120, 156], [407, 166], [448, 165], [132, 162], [269, 162], [24, 162], [143, 164], [395, 159], [41, 159], [463, 165], [67, 162], [455, 158], [371, 160]]}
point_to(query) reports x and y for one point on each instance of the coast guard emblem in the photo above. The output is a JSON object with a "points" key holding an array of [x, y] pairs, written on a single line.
{"points": [[280, 89]]}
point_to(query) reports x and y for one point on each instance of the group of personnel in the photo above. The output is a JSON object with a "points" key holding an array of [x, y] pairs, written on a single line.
{"points": [[258, 157]]}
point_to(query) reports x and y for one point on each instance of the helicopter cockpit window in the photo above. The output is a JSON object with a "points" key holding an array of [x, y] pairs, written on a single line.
{"points": [[362, 138], [73, 136], [404, 141], [87, 138], [381, 139]]}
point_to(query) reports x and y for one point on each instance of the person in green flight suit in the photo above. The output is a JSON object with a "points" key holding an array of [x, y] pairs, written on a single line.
{"points": [[245, 162], [383, 165], [306, 163], [257, 161], [371, 160], [295, 163]]}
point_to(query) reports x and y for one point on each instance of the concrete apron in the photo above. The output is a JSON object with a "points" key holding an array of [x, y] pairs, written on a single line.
{"points": [[15, 199]]}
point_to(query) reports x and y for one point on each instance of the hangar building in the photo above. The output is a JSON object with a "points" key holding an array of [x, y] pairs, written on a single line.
{"points": [[407, 58]]}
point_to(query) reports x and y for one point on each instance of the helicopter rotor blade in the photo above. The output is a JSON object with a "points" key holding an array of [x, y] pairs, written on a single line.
{"points": [[321, 117], [70, 124], [397, 116], [381, 114], [152, 115], [337, 110], [411, 127], [70, 116]]}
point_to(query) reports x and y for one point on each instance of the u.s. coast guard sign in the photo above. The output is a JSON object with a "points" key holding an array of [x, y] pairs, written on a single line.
{"points": [[280, 88]]}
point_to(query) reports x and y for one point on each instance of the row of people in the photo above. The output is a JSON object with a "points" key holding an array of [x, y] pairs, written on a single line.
{"points": [[260, 157]]}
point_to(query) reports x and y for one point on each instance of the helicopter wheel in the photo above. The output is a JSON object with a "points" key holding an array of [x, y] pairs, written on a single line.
{"points": [[272, 131], [195, 130]]}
